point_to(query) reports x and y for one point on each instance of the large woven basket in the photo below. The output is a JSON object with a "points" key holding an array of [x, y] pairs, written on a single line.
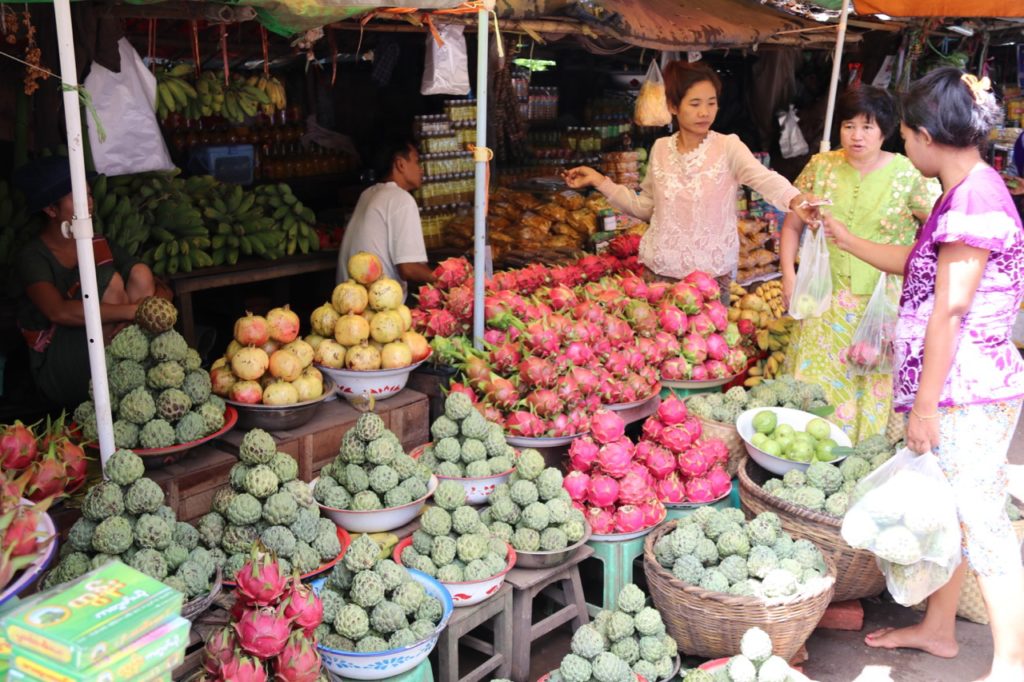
{"points": [[730, 436], [711, 624], [857, 571]]}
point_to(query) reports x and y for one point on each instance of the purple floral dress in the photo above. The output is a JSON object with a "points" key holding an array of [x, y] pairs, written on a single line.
{"points": [[986, 367]]}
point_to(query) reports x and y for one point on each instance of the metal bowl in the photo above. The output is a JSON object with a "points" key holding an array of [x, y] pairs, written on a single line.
{"points": [[376, 520], [281, 417], [550, 559]]}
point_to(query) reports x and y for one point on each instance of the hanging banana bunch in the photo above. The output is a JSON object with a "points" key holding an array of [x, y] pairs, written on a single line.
{"points": [[173, 92]]}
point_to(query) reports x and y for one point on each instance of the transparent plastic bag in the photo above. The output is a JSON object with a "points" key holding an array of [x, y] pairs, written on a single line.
{"points": [[651, 105], [812, 291], [791, 140], [870, 350], [904, 513], [446, 71]]}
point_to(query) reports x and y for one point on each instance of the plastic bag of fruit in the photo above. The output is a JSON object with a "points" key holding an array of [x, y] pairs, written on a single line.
{"points": [[870, 351], [651, 106], [904, 512], [812, 291]]}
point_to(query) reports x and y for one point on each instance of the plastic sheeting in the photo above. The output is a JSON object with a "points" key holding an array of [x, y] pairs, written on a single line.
{"points": [[941, 8]]}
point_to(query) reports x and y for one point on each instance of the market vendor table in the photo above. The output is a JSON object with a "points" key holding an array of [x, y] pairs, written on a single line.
{"points": [[187, 283]]}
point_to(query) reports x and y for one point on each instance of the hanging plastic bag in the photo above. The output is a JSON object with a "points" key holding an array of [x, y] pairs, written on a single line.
{"points": [[904, 513], [651, 105], [446, 71], [812, 291], [792, 142], [125, 104], [870, 351]]}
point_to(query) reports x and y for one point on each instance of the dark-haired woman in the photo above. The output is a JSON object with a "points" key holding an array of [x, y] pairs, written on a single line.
{"points": [[957, 372], [689, 193], [883, 198]]}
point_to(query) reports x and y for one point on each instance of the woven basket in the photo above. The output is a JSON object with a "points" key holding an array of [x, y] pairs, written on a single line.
{"points": [[728, 434], [711, 624], [195, 608], [858, 575]]}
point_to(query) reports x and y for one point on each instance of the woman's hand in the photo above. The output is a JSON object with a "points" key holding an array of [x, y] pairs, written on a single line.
{"points": [[788, 284], [806, 206], [922, 434], [837, 233], [582, 177]]}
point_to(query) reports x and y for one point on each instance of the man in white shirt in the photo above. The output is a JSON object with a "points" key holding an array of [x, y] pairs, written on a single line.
{"points": [[386, 220]]}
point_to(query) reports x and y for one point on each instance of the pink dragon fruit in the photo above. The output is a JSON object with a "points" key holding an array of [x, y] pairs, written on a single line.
{"points": [[705, 283], [501, 392], [460, 302], [505, 358], [260, 580], [544, 402], [641, 470], [672, 320], [661, 462], [653, 511], [699, 490], [720, 481], [633, 489], [523, 423], [602, 521], [672, 411], [671, 490], [656, 291], [701, 324], [536, 372], [579, 353], [430, 297], [241, 668], [220, 647], [693, 428], [542, 340], [736, 360], [576, 484], [614, 458], [628, 519], [302, 606], [642, 450], [692, 463], [652, 429], [746, 328], [298, 662], [698, 372], [607, 426], [718, 313], [687, 297], [668, 344], [452, 272], [676, 438], [634, 287], [560, 426], [602, 491], [567, 276], [718, 349], [650, 351], [585, 379], [562, 297], [263, 631], [716, 369], [695, 349], [441, 323], [675, 369]]}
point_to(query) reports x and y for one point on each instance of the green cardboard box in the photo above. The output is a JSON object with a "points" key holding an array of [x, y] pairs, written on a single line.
{"points": [[87, 620]]}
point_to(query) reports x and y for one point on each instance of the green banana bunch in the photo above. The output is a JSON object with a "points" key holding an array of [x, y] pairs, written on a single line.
{"points": [[210, 88], [296, 221], [17, 225], [243, 99], [173, 92]]}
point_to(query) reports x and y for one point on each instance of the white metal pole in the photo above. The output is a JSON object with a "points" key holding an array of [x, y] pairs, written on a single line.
{"points": [[480, 194], [81, 230], [834, 85]]}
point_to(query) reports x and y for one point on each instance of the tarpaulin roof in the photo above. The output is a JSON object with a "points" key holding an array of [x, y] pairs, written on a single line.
{"points": [[941, 8]]}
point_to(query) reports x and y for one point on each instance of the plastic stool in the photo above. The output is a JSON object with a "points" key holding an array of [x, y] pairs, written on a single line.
{"points": [[680, 393], [732, 500], [496, 609], [421, 673], [617, 558]]}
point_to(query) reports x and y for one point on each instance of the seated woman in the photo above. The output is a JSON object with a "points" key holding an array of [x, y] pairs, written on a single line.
{"points": [[50, 312]]}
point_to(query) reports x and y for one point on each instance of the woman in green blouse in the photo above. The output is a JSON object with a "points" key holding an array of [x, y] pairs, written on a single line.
{"points": [[882, 197]]}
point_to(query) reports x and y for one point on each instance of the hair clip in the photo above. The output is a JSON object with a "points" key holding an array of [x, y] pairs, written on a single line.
{"points": [[978, 87]]}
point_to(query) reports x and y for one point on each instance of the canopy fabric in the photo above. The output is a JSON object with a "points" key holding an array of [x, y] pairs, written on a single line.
{"points": [[941, 8], [288, 17]]}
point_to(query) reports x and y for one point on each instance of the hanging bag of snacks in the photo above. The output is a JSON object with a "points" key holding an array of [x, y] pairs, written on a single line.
{"points": [[651, 105]]}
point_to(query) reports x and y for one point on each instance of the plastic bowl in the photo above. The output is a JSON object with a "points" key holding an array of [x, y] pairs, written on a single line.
{"points": [[376, 520], [798, 419], [466, 593], [280, 417], [477, 489], [379, 665], [620, 537], [638, 678], [376, 383], [29, 574], [553, 558]]}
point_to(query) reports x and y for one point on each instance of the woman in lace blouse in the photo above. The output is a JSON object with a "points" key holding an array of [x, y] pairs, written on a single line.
{"points": [[689, 193]]}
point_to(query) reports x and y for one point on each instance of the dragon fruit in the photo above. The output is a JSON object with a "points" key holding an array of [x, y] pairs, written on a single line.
{"points": [[219, 648], [736, 360], [668, 344], [501, 392], [441, 323], [705, 283], [567, 276], [506, 357], [583, 453], [676, 438], [614, 458], [720, 481], [675, 369], [641, 470], [607, 426], [732, 334], [430, 297], [452, 272], [692, 463], [642, 317], [560, 426], [634, 287], [671, 490], [695, 349], [693, 428], [653, 511], [701, 324], [699, 490], [718, 313], [656, 291], [602, 521], [298, 662], [460, 302], [625, 245], [536, 372], [633, 489], [746, 327], [718, 349], [672, 320], [652, 430], [562, 297], [525, 424], [642, 450], [260, 581], [687, 297], [18, 448], [672, 411], [716, 369], [628, 519], [544, 402], [576, 483], [594, 267], [302, 606], [240, 668], [602, 491], [661, 462], [263, 631], [715, 451], [541, 339], [698, 372]]}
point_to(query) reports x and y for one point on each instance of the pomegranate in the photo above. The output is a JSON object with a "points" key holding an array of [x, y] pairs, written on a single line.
{"points": [[283, 324], [246, 392], [362, 357], [219, 362], [285, 365], [221, 380], [250, 363], [330, 354], [280, 393], [302, 350], [351, 330], [349, 297], [252, 330], [270, 347], [395, 354], [323, 320], [308, 387], [364, 267], [233, 347], [418, 345], [314, 340], [386, 326], [386, 294]]}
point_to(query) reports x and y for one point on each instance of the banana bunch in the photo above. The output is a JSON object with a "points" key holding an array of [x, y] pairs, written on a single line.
{"points": [[296, 221], [117, 218], [773, 340], [173, 92], [771, 293], [242, 100], [210, 88], [239, 227], [17, 225], [274, 91]]}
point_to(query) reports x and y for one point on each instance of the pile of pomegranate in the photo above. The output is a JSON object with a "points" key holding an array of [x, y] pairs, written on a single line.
{"points": [[44, 458]]}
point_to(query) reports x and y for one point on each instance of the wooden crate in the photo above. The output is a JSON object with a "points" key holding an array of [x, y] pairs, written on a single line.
{"points": [[190, 483]]}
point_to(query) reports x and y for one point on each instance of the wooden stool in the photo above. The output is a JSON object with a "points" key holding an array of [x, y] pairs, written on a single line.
{"points": [[562, 585], [466, 619]]}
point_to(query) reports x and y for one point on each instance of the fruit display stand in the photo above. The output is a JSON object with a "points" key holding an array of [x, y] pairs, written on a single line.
{"points": [[617, 564], [496, 610]]}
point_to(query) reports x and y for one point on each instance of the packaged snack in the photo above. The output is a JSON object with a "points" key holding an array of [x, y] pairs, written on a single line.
{"points": [[553, 212], [570, 200], [651, 106]]}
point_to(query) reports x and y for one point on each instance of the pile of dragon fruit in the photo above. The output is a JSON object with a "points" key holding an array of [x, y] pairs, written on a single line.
{"points": [[608, 482], [562, 342], [671, 464]]}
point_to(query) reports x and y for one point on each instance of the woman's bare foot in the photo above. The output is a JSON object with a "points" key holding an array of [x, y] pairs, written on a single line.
{"points": [[913, 637]]}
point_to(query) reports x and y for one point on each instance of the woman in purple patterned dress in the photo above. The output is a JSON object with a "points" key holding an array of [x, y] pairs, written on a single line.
{"points": [[957, 372]]}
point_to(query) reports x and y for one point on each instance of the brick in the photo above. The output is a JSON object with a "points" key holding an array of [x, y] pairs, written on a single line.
{"points": [[844, 615]]}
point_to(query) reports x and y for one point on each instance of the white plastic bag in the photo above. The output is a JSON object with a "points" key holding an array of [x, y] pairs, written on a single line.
{"points": [[651, 106], [870, 350], [812, 291], [125, 105], [904, 513], [446, 71], [791, 142]]}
